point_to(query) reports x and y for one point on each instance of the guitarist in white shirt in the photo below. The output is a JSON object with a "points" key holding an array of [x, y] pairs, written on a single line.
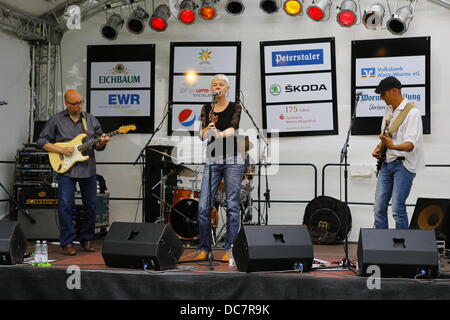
{"points": [[63, 127], [402, 142]]}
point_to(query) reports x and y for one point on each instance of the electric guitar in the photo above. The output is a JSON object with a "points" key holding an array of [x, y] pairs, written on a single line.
{"points": [[383, 149], [62, 163]]}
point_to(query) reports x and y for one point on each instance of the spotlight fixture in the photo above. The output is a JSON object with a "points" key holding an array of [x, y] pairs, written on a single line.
{"points": [[347, 16], [373, 16], [110, 30], [187, 13], [136, 22], [292, 7], [207, 10], [234, 7], [158, 22], [269, 6], [318, 10], [399, 22]]}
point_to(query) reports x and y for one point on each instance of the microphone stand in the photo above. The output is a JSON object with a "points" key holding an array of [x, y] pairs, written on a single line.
{"points": [[343, 158], [267, 193], [18, 206], [142, 152]]}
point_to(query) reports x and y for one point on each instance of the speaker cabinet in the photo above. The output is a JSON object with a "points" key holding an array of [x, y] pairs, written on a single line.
{"points": [[433, 214], [45, 227], [398, 253], [13, 243], [134, 245], [270, 248]]}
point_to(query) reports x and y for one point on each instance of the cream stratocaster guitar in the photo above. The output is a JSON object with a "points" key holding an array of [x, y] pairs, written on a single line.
{"points": [[62, 163]]}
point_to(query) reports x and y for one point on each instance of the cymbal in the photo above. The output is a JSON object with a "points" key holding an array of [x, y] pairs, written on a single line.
{"points": [[163, 153], [185, 171]]}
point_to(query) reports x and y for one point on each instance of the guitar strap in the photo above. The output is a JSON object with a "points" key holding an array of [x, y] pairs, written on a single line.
{"points": [[400, 118], [83, 120]]}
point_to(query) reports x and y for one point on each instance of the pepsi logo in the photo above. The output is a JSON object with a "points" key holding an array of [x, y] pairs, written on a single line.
{"points": [[186, 118]]}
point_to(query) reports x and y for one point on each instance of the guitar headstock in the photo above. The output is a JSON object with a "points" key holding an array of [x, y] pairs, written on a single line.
{"points": [[125, 129]]}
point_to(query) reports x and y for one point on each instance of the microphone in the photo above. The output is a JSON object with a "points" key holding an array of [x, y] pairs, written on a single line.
{"points": [[216, 93]]}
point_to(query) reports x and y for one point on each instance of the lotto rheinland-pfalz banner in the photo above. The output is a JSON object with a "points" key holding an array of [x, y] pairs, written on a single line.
{"points": [[299, 87], [192, 66], [407, 59], [120, 85]]}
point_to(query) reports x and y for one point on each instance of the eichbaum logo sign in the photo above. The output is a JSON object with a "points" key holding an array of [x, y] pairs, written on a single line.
{"points": [[131, 74]]}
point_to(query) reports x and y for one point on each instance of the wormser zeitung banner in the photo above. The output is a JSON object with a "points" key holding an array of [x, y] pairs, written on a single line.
{"points": [[299, 87], [407, 59]]}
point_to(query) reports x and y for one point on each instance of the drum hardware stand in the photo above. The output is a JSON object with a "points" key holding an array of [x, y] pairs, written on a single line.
{"points": [[142, 152], [187, 219], [346, 263], [162, 201], [267, 193]]}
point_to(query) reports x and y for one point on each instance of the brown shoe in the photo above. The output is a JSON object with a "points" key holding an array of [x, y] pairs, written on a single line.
{"points": [[87, 246], [69, 250]]}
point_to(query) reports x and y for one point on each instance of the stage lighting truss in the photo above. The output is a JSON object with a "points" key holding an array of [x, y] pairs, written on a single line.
{"points": [[269, 6], [347, 15], [158, 22], [186, 13], [234, 7], [399, 22], [136, 22], [293, 7], [110, 30], [207, 10], [319, 10], [373, 16]]}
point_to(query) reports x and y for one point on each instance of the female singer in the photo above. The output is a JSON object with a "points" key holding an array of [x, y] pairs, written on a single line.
{"points": [[220, 122]]}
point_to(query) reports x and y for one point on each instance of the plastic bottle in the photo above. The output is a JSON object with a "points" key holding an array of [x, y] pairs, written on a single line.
{"points": [[44, 252], [37, 252]]}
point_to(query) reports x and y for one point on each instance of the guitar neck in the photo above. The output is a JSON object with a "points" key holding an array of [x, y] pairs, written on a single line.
{"points": [[93, 142]]}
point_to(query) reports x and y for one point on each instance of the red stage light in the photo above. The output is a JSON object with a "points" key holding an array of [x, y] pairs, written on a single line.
{"points": [[346, 18], [158, 24], [187, 16], [315, 13]]}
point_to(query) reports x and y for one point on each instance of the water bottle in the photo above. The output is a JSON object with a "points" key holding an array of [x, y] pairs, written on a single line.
{"points": [[37, 252], [231, 262], [44, 252]]}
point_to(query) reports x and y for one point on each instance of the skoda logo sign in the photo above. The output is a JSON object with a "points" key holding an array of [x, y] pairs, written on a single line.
{"points": [[275, 90]]}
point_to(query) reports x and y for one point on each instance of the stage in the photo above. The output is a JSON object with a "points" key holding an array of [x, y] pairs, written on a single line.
{"points": [[200, 281]]}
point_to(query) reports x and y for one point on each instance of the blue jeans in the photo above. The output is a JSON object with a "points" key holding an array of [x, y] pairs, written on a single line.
{"points": [[66, 202], [232, 175], [394, 182]]}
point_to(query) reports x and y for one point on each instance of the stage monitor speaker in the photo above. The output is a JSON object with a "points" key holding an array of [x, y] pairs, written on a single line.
{"points": [[13, 243], [135, 245], [433, 214], [398, 253], [270, 248]]}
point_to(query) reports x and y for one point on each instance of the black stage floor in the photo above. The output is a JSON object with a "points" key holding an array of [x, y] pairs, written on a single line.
{"points": [[198, 281]]}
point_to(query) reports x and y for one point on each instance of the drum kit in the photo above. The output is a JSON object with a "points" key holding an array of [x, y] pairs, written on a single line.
{"points": [[182, 212]]}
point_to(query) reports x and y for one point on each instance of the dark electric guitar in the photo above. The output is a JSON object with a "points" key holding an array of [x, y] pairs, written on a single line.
{"points": [[383, 148]]}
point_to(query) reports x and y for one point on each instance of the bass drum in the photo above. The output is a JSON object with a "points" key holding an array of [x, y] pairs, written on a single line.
{"points": [[184, 219]]}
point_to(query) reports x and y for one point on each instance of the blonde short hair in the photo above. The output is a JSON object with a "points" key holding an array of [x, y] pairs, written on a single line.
{"points": [[221, 77]]}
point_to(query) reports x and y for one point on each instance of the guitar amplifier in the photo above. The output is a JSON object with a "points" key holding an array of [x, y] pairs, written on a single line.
{"points": [[36, 196]]}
